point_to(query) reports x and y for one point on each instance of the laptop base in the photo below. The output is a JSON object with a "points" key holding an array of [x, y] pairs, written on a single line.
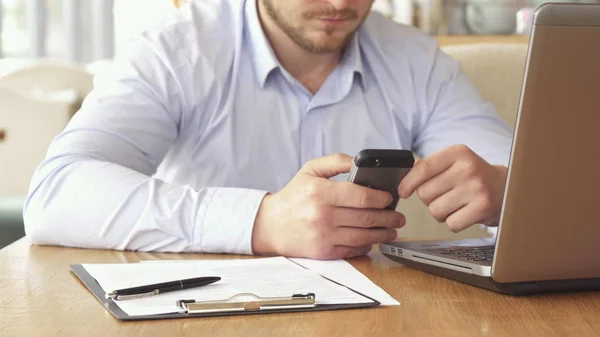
{"points": [[517, 289]]}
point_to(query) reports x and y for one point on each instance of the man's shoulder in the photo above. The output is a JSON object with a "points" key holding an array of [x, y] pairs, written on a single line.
{"points": [[397, 39], [198, 27]]}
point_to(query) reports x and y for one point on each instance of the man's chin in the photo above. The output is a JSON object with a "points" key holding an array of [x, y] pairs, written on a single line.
{"points": [[324, 46], [324, 50]]}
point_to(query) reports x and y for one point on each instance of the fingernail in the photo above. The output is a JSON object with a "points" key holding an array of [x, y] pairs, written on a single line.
{"points": [[401, 191], [403, 222]]}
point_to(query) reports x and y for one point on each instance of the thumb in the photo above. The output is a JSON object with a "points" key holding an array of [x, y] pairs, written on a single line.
{"points": [[328, 166]]}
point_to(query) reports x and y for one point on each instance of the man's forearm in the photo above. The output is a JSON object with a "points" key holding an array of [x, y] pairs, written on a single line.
{"points": [[81, 202]]}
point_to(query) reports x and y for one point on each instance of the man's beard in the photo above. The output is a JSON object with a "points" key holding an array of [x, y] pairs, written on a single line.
{"points": [[298, 34]]}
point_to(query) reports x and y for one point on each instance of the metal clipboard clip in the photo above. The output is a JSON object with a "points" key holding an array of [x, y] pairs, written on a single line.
{"points": [[240, 302]]}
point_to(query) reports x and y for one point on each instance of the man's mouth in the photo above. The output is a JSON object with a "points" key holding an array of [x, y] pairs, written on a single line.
{"points": [[333, 21]]}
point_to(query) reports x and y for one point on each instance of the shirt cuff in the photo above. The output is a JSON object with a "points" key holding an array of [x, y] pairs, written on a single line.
{"points": [[226, 222]]}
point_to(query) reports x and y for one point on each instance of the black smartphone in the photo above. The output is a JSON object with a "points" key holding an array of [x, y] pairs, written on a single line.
{"points": [[382, 169]]}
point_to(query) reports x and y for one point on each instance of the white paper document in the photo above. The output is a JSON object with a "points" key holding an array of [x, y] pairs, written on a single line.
{"points": [[337, 270], [343, 272], [264, 277]]}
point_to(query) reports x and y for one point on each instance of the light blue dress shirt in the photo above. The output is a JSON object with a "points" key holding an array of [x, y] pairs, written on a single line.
{"points": [[178, 143]]}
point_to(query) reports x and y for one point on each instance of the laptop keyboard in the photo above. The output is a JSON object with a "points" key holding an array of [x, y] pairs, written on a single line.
{"points": [[478, 254]]}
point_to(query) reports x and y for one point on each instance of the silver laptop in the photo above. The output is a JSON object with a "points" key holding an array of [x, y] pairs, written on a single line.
{"points": [[549, 233]]}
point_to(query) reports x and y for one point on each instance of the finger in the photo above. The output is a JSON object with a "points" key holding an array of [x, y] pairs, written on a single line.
{"points": [[360, 251], [359, 237], [351, 217], [473, 213], [341, 252], [439, 185], [425, 169], [448, 203], [328, 166], [348, 194]]}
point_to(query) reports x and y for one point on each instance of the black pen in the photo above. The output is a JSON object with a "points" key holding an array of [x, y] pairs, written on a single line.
{"points": [[159, 288]]}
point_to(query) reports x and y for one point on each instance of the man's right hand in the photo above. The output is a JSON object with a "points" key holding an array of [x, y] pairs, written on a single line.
{"points": [[317, 218]]}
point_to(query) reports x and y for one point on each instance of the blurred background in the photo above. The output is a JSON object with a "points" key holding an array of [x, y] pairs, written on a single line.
{"points": [[50, 51], [80, 31], [89, 30]]}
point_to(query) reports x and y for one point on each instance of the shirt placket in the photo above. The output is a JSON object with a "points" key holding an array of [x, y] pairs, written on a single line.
{"points": [[311, 134], [308, 123], [312, 114]]}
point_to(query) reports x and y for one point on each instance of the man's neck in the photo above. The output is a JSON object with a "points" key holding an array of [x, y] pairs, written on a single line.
{"points": [[308, 68]]}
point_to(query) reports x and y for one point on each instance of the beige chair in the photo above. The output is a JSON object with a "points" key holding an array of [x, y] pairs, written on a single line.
{"points": [[37, 100], [497, 71], [29, 124], [47, 76]]}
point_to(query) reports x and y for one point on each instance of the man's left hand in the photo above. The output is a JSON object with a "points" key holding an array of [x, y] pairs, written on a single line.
{"points": [[459, 187]]}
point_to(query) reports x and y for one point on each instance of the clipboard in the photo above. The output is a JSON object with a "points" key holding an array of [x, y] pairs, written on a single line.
{"points": [[235, 305]]}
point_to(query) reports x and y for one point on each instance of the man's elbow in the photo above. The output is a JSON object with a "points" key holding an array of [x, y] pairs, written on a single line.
{"points": [[40, 226], [46, 220], [45, 225], [47, 211]]}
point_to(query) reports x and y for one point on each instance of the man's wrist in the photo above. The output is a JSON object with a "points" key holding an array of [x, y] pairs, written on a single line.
{"points": [[503, 172], [262, 244], [225, 220], [502, 168]]}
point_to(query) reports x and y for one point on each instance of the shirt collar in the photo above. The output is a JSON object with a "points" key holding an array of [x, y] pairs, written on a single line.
{"points": [[264, 59], [353, 58]]}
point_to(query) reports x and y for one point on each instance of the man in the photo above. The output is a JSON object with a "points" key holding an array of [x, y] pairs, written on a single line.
{"points": [[230, 128]]}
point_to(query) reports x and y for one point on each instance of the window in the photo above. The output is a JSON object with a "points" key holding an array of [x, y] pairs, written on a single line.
{"points": [[16, 38]]}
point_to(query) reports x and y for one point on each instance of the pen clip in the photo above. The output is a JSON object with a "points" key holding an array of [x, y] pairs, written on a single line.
{"points": [[258, 303], [115, 296]]}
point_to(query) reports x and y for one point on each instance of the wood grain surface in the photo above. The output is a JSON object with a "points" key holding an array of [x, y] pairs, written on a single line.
{"points": [[40, 297]]}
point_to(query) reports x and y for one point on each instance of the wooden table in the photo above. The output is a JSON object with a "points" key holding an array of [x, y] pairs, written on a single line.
{"points": [[39, 297]]}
